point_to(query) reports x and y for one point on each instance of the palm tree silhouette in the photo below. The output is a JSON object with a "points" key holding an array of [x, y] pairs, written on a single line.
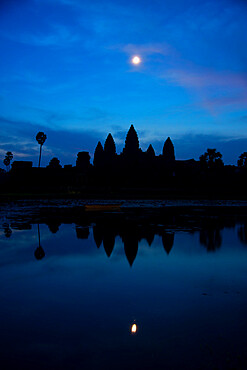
{"points": [[41, 138], [39, 251]]}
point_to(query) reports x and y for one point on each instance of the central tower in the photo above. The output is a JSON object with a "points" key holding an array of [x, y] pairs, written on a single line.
{"points": [[132, 147]]}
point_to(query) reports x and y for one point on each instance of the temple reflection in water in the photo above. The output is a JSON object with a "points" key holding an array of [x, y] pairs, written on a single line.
{"points": [[132, 230], [150, 288]]}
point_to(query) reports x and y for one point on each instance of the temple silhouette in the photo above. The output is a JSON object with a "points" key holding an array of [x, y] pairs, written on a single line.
{"points": [[132, 169], [132, 156], [132, 166]]}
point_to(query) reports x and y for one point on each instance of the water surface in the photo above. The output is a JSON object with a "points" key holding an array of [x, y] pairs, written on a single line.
{"points": [[70, 292]]}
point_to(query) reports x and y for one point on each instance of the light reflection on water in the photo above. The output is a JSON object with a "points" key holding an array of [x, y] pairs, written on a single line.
{"points": [[72, 307]]}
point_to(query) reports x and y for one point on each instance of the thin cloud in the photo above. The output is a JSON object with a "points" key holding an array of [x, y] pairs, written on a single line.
{"points": [[217, 90], [205, 78], [146, 49], [223, 102], [59, 36]]}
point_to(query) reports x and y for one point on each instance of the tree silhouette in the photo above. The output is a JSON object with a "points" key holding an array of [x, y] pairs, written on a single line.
{"points": [[210, 237], [6, 163], [39, 252], [242, 233], [7, 230], [8, 158], [211, 159], [53, 225], [54, 163], [242, 162], [41, 138]]}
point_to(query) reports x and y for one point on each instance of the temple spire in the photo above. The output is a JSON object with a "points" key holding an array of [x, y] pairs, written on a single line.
{"points": [[168, 151], [110, 147], [131, 142]]}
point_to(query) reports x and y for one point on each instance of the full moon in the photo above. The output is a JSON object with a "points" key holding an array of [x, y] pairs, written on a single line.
{"points": [[136, 60]]}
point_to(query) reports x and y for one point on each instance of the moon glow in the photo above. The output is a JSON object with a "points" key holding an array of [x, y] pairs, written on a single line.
{"points": [[136, 60], [133, 328]]}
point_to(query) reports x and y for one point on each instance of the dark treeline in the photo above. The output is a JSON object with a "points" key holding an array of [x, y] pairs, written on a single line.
{"points": [[133, 168]]}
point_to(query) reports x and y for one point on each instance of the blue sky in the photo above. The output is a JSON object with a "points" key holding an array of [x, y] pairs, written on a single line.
{"points": [[66, 69]]}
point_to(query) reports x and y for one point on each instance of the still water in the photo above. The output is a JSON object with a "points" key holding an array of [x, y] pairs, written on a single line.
{"points": [[118, 291]]}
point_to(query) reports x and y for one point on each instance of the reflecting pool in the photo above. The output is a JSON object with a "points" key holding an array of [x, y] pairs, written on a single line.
{"points": [[137, 290]]}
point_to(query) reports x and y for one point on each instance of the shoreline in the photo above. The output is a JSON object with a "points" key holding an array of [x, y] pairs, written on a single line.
{"points": [[128, 194]]}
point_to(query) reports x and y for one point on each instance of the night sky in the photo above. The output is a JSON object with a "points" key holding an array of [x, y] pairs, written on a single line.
{"points": [[65, 69]]}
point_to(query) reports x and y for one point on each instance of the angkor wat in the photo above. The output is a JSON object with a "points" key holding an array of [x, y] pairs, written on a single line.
{"points": [[132, 168]]}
